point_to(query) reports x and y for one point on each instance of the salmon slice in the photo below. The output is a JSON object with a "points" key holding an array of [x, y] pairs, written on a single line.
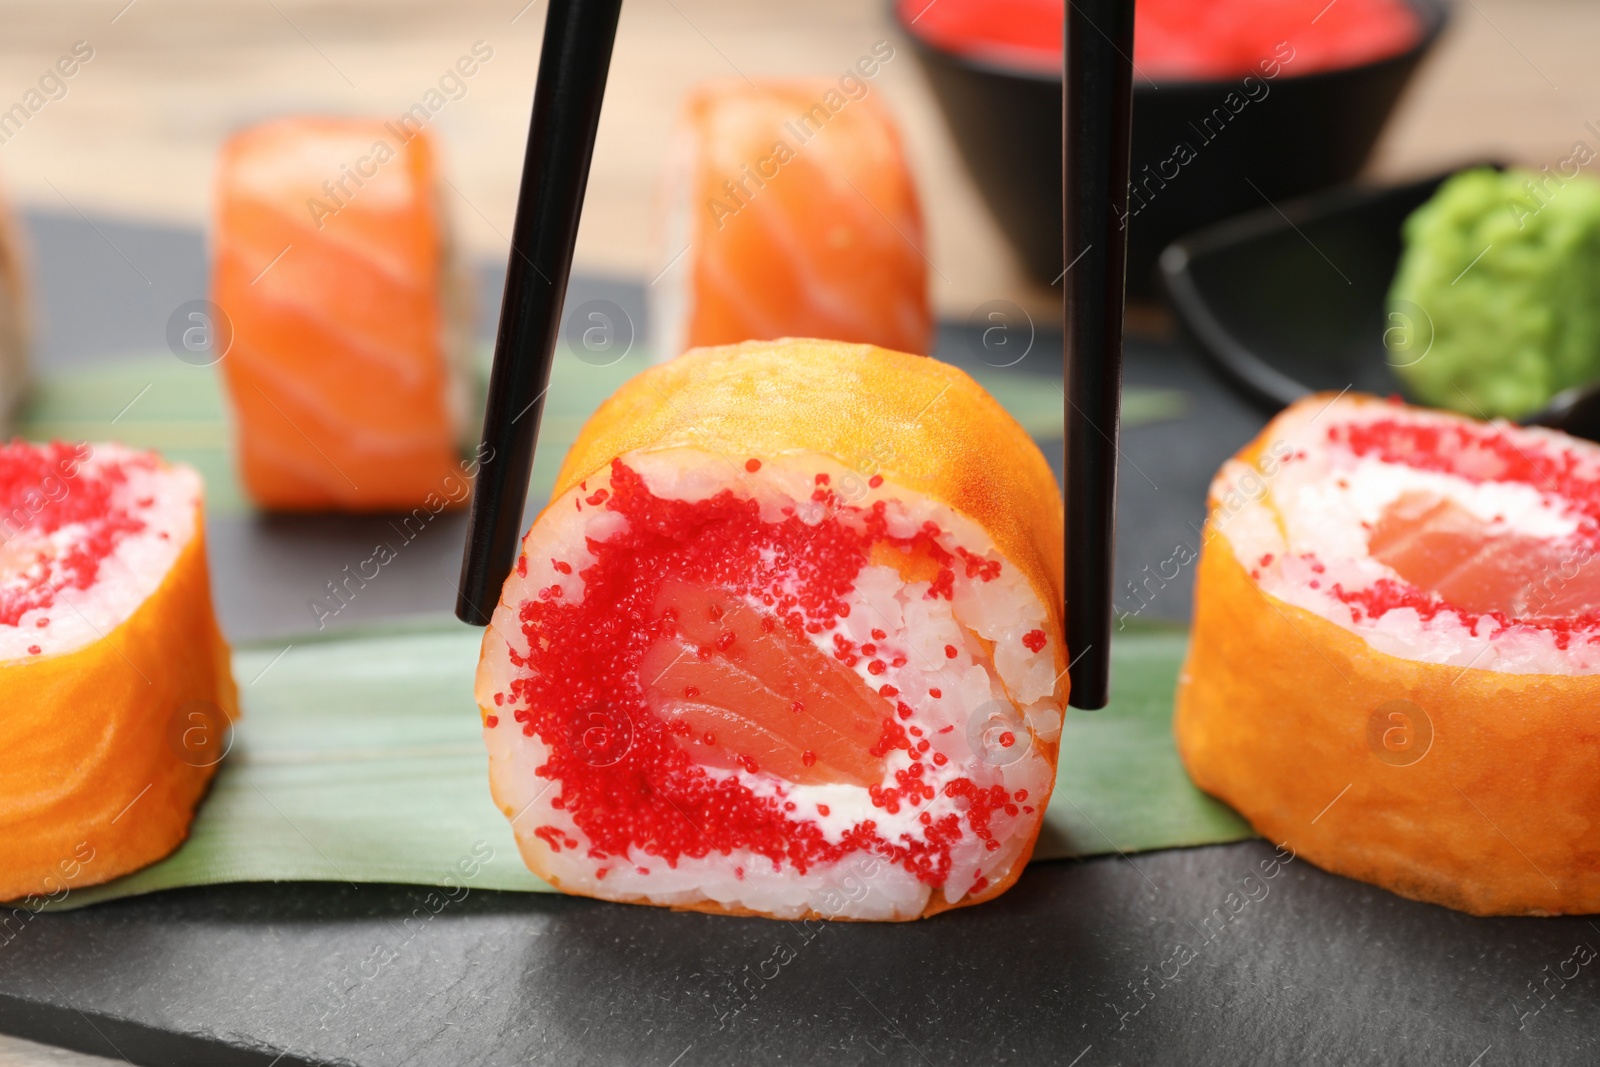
{"points": [[790, 211], [334, 266], [749, 693], [1437, 545]]}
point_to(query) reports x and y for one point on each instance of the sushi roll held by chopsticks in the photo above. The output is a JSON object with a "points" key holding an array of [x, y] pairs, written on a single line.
{"points": [[1395, 661], [786, 641]]}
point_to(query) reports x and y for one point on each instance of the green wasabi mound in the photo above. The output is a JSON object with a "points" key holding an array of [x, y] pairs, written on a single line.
{"points": [[1496, 305]]}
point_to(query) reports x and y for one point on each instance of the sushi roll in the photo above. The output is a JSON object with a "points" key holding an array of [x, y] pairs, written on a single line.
{"points": [[16, 327], [1395, 660], [334, 265], [789, 211], [114, 679], [786, 641]]}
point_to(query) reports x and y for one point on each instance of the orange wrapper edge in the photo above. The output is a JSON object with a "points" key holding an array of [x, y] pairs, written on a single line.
{"points": [[98, 778]]}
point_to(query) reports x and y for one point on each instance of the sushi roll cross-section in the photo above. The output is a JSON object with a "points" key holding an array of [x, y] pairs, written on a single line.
{"points": [[116, 691], [786, 641], [1395, 661]]}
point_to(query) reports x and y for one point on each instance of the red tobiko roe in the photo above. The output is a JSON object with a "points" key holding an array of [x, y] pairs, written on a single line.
{"points": [[44, 488], [1180, 40], [1475, 452], [632, 784]]}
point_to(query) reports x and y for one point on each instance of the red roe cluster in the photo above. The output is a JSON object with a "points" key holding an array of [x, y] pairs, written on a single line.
{"points": [[43, 488], [625, 780], [1476, 453]]}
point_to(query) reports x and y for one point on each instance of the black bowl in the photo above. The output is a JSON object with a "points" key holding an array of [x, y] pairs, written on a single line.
{"points": [[1305, 132], [1293, 300]]}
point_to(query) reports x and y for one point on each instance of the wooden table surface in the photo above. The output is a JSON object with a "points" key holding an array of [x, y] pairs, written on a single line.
{"points": [[139, 126]]}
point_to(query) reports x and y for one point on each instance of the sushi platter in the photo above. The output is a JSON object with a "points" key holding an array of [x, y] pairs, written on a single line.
{"points": [[243, 973], [752, 665]]}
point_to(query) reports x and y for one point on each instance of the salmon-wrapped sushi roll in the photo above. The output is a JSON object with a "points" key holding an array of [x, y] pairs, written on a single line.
{"points": [[789, 211], [16, 326], [115, 686], [1395, 662], [335, 267], [786, 641]]}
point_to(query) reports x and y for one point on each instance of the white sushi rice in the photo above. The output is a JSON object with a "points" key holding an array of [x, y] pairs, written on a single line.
{"points": [[1309, 495], [126, 578], [981, 697]]}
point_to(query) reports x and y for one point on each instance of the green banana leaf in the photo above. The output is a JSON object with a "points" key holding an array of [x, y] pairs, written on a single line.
{"points": [[360, 759]]}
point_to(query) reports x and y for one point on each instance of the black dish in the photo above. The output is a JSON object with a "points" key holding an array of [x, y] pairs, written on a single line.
{"points": [[1292, 300], [1305, 132]]}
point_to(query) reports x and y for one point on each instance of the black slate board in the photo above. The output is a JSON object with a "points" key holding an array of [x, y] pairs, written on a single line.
{"points": [[1319, 970]]}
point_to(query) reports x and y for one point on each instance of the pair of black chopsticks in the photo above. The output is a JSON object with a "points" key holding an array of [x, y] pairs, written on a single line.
{"points": [[1096, 118]]}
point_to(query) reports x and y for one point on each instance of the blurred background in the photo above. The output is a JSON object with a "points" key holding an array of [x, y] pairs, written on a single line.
{"points": [[137, 133]]}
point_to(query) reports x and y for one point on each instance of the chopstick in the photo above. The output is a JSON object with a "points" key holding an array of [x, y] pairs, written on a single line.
{"points": [[573, 63], [1097, 111]]}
